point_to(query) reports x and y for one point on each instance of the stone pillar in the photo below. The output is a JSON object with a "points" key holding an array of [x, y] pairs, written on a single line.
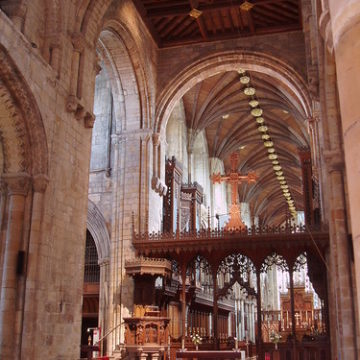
{"points": [[306, 171], [3, 215], [253, 322], [345, 16], [292, 305], [103, 301], [17, 186], [34, 277], [242, 310], [78, 42], [340, 261]]}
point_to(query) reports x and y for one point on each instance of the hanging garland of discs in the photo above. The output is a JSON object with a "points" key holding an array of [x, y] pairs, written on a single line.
{"points": [[257, 113]]}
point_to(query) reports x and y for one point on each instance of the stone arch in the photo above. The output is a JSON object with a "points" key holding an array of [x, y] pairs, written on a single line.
{"points": [[292, 84], [22, 131], [89, 16], [122, 59], [96, 225]]}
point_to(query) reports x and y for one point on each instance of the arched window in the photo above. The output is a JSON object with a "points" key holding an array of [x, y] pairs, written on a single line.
{"points": [[92, 268]]}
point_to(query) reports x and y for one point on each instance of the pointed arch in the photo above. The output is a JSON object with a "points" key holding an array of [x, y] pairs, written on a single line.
{"points": [[121, 56], [96, 225]]}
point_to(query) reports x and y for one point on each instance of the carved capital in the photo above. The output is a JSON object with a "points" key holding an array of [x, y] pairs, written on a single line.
{"points": [[17, 183], [156, 139], [89, 120], [158, 186], [312, 120], [78, 41], [334, 160], [71, 103], [40, 182], [74, 105], [145, 137], [97, 66]]}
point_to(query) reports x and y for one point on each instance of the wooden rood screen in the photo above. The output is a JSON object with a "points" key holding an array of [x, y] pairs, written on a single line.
{"points": [[260, 246]]}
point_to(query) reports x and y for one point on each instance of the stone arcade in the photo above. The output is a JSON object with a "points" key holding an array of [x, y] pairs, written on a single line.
{"points": [[114, 115]]}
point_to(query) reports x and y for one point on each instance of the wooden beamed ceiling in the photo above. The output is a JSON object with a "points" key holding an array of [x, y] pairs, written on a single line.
{"points": [[171, 24]]}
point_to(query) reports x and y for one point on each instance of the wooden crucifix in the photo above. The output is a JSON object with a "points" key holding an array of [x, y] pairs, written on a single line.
{"points": [[234, 178]]}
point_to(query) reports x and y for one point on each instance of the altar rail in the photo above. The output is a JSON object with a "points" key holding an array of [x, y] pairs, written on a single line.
{"points": [[210, 355], [317, 350]]}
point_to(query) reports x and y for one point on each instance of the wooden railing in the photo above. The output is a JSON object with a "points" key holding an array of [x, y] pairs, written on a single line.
{"points": [[219, 233], [207, 354]]}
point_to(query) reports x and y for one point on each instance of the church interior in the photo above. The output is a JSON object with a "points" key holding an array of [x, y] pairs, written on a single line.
{"points": [[179, 179]]}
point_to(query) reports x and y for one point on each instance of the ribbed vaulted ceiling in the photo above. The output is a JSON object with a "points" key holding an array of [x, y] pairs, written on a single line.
{"points": [[219, 106]]}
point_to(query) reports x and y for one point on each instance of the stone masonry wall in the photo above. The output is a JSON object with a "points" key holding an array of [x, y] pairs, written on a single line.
{"points": [[287, 47], [60, 258]]}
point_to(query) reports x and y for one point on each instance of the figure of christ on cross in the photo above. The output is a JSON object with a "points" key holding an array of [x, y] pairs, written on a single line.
{"points": [[234, 178]]}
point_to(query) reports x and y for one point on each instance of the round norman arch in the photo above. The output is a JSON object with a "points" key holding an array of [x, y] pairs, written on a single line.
{"points": [[291, 83], [22, 131], [96, 225]]}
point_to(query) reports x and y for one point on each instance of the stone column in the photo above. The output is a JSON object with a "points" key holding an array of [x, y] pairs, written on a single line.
{"points": [[242, 310], [3, 214], [253, 322], [103, 300], [306, 171], [18, 186], [340, 261], [34, 276], [78, 42], [345, 16], [156, 154], [292, 305]]}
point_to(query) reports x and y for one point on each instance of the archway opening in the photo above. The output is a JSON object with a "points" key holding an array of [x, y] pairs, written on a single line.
{"points": [[90, 332]]}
